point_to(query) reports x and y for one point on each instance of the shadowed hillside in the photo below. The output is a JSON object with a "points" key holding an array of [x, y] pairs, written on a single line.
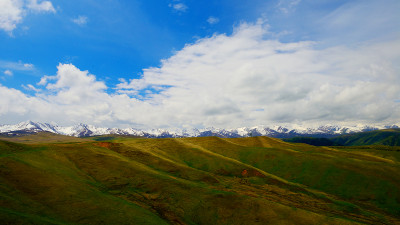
{"points": [[206, 180], [389, 137], [311, 141]]}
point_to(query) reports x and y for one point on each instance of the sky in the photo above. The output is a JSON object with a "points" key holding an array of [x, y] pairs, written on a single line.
{"points": [[197, 64]]}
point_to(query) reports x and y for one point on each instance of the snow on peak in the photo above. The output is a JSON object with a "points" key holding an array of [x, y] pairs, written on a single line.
{"points": [[83, 130]]}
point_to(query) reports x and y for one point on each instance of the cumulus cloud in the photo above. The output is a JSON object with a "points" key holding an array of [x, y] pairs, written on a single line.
{"points": [[10, 14], [13, 11], [243, 79], [212, 20], [80, 20], [70, 96]]}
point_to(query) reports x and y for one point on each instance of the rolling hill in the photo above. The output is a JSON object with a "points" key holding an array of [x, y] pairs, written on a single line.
{"points": [[202, 180]]}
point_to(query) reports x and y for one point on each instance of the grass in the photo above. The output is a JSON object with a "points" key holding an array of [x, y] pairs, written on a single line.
{"points": [[209, 180]]}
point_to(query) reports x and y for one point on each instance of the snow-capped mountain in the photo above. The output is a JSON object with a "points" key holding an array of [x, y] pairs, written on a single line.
{"points": [[83, 130]]}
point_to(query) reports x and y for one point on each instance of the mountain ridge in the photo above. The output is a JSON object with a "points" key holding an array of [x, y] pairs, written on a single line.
{"points": [[84, 130]]}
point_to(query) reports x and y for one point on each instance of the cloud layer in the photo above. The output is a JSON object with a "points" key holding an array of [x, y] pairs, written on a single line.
{"points": [[227, 81]]}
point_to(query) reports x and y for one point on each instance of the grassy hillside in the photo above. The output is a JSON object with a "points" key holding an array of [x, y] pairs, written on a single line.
{"points": [[207, 180], [389, 137]]}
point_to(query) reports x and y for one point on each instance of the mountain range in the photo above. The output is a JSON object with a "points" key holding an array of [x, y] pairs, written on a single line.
{"points": [[84, 130]]}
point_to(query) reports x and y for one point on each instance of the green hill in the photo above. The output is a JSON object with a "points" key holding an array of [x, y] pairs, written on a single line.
{"points": [[209, 180], [389, 137]]}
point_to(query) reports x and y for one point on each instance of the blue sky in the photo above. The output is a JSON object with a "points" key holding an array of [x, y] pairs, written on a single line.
{"points": [[117, 38], [161, 55]]}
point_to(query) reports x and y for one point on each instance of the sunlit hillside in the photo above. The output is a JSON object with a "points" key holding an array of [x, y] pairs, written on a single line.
{"points": [[209, 180]]}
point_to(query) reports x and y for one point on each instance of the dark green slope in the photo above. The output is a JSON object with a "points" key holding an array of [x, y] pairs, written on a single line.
{"points": [[311, 141], [390, 137]]}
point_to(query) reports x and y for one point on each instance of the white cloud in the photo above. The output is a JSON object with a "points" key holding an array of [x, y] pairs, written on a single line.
{"points": [[234, 80], [13, 11], [212, 20], [10, 14], [44, 79], [227, 80], [8, 72], [28, 66], [287, 6], [80, 20], [43, 6], [180, 7], [19, 66], [30, 87], [72, 96]]}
